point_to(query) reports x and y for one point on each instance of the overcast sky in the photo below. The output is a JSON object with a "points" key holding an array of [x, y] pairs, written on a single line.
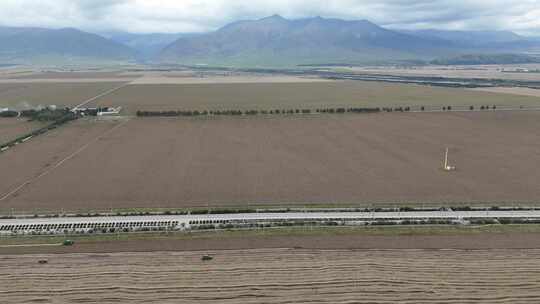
{"points": [[522, 16]]}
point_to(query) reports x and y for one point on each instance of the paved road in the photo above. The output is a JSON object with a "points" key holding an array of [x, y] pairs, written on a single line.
{"points": [[186, 219]]}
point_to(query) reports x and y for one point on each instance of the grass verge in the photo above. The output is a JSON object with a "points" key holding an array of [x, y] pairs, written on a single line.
{"points": [[277, 232], [286, 206]]}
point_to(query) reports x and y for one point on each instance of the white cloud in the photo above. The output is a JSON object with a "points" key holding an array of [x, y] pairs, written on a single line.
{"points": [[203, 15]]}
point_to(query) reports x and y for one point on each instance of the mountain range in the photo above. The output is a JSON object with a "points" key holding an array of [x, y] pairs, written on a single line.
{"points": [[39, 45], [146, 46], [276, 40], [270, 41]]}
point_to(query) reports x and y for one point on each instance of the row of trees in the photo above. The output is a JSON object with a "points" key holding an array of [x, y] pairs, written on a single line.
{"points": [[45, 114], [254, 112], [54, 114], [449, 108], [349, 110], [9, 114], [484, 108], [398, 109], [58, 118], [291, 111]]}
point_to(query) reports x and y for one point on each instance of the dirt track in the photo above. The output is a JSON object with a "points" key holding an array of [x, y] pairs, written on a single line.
{"points": [[231, 162], [320, 239], [275, 276]]}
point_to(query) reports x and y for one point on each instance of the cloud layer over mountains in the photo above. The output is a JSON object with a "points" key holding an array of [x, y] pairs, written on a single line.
{"points": [[521, 16]]}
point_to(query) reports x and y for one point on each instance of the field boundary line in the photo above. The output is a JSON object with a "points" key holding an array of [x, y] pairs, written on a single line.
{"points": [[31, 245], [100, 95], [61, 162]]}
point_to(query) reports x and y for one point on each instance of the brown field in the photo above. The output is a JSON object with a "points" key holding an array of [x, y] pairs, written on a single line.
{"points": [[297, 95], [156, 78], [71, 75], [52, 81], [22, 95], [465, 71], [275, 276], [347, 159], [11, 128], [168, 78], [366, 238], [44, 151], [514, 91]]}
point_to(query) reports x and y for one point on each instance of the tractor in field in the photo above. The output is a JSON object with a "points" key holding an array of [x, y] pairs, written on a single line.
{"points": [[207, 257], [68, 243]]}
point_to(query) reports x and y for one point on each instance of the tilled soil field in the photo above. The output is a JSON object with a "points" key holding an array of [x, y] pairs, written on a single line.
{"points": [[386, 238], [349, 159], [37, 156], [491, 71], [275, 276], [312, 95], [72, 75], [25, 95], [515, 91], [11, 128]]}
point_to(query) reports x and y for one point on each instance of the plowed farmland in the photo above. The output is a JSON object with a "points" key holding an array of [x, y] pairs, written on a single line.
{"points": [[11, 128], [334, 159], [311, 95], [24, 95], [44, 151], [275, 276]]}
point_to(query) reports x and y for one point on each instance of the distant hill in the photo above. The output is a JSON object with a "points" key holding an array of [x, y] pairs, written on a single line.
{"points": [[30, 45], [468, 38], [472, 59], [268, 42], [147, 46], [487, 42], [275, 40]]}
